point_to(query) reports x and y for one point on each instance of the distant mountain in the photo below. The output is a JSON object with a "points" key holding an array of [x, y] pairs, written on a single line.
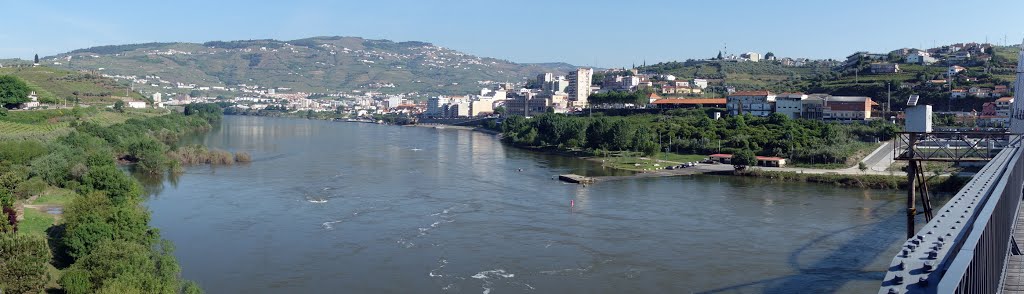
{"points": [[319, 64]]}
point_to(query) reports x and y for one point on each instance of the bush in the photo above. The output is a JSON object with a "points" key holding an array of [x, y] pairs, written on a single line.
{"points": [[243, 157], [94, 218], [123, 267]]}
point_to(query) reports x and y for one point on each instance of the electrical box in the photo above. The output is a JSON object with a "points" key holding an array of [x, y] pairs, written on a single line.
{"points": [[919, 119]]}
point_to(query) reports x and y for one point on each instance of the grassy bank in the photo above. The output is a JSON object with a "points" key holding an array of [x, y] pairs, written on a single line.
{"points": [[937, 184]]}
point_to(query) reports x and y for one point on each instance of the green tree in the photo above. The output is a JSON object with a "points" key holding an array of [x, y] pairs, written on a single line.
{"points": [[13, 91], [863, 167], [36, 60], [23, 261], [769, 55], [743, 158], [119, 106], [124, 267]]}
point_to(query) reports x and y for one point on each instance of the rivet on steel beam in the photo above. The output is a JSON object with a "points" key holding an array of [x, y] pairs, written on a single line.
{"points": [[928, 266], [893, 291], [901, 266], [923, 281], [933, 254], [898, 280]]}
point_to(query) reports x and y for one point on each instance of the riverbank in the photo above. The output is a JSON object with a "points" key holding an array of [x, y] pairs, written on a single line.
{"points": [[75, 202]]}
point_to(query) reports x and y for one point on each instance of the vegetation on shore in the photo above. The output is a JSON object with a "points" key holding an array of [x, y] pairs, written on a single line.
{"points": [[694, 132], [936, 183], [103, 243]]}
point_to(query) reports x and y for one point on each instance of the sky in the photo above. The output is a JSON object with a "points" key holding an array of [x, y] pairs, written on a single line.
{"points": [[588, 32]]}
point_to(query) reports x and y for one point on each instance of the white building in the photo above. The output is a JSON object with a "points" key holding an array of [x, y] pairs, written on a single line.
{"points": [[790, 104], [752, 56], [158, 100], [920, 57], [700, 83], [136, 104], [579, 86], [758, 103]]}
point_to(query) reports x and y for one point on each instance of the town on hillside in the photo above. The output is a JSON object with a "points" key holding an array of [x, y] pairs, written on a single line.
{"points": [[969, 83]]}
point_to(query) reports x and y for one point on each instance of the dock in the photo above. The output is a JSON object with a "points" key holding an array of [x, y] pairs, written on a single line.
{"points": [[575, 179], [701, 169]]}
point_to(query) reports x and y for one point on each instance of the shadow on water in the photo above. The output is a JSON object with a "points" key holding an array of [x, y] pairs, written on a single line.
{"points": [[842, 265]]}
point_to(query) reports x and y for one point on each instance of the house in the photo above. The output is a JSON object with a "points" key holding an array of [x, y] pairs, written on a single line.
{"points": [[700, 83], [758, 103], [766, 161], [1004, 106], [988, 109], [33, 101], [979, 92], [884, 68], [136, 104], [954, 70], [1000, 90], [688, 103], [920, 57], [847, 107], [958, 93]]}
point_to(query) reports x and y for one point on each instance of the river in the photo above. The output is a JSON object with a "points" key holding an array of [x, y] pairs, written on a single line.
{"points": [[362, 208]]}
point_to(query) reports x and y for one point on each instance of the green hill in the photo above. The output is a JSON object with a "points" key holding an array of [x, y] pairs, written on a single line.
{"points": [[320, 64], [822, 77], [54, 85]]}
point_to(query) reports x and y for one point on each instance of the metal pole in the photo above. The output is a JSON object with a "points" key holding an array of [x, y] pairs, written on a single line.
{"points": [[912, 186]]}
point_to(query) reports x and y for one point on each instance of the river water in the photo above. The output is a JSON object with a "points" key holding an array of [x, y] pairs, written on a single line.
{"points": [[359, 208]]}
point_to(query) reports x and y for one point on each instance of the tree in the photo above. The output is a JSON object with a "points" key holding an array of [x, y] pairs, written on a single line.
{"points": [[769, 55], [13, 91], [499, 110], [119, 106], [37, 59], [863, 167], [719, 55], [743, 158], [23, 262]]}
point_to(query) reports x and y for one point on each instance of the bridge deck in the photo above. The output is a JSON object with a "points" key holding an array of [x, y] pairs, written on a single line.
{"points": [[1013, 276]]}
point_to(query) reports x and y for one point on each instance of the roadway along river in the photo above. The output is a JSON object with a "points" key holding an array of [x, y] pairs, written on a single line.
{"points": [[362, 208]]}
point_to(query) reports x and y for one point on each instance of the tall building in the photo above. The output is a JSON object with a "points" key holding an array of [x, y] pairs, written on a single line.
{"points": [[579, 85], [158, 100]]}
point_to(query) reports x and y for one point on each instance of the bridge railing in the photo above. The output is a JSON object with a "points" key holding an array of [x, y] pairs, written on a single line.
{"points": [[964, 247], [978, 266]]}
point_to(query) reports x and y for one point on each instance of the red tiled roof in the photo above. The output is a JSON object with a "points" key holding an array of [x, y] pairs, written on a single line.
{"points": [[690, 101]]}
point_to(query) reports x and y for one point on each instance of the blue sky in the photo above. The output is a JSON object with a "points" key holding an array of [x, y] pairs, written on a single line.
{"points": [[595, 32]]}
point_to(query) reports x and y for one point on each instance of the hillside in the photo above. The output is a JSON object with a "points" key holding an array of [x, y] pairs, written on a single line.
{"points": [[54, 85], [856, 80], [320, 64]]}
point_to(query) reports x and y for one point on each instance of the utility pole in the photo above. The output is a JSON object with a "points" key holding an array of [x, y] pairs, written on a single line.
{"points": [[888, 104]]}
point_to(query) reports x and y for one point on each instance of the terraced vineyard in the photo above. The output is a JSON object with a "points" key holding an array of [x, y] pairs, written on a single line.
{"points": [[21, 131]]}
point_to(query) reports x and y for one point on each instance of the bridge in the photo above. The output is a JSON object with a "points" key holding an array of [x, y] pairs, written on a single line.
{"points": [[972, 244]]}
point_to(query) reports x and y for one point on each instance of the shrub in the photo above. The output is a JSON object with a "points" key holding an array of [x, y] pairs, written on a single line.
{"points": [[243, 157]]}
